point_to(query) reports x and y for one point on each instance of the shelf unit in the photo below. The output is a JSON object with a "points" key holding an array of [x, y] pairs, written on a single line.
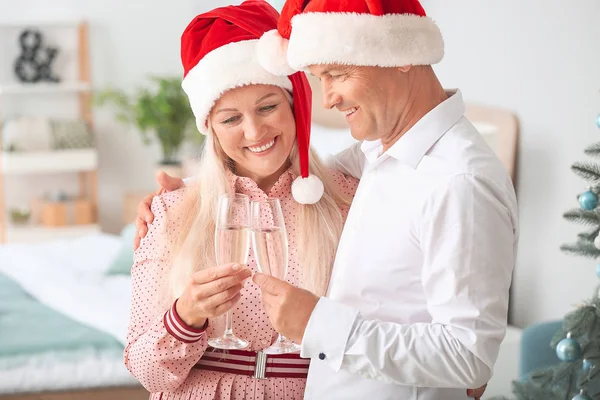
{"points": [[45, 88], [57, 161], [83, 162]]}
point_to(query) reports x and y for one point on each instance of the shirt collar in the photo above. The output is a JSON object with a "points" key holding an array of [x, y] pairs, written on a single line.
{"points": [[242, 184], [416, 142]]}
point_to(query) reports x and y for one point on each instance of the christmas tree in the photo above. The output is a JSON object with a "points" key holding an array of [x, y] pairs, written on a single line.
{"points": [[576, 375]]}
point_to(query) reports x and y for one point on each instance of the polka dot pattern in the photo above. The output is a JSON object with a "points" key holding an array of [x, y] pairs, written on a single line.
{"points": [[163, 363]]}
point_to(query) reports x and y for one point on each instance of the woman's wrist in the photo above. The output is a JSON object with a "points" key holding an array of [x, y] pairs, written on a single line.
{"points": [[201, 324], [189, 320]]}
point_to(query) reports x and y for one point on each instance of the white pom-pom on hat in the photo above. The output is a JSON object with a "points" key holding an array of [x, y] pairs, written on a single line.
{"points": [[307, 190], [272, 53]]}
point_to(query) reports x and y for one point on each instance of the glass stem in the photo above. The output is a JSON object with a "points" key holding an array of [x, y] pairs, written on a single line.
{"points": [[280, 339], [229, 323]]}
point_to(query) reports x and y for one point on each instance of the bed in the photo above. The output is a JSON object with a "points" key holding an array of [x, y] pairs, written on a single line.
{"points": [[63, 320]]}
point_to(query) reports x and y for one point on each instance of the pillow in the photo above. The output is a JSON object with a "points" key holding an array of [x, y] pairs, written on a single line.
{"points": [[27, 134], [71, 134], [121, 264]]}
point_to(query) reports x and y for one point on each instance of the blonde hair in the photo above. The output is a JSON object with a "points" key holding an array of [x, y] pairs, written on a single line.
{"points": [[319, 225]]}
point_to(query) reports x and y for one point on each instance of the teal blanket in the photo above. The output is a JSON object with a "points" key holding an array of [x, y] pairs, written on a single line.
{"points": [[28, 327]]}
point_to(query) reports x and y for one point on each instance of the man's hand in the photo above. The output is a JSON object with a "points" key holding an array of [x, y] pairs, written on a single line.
{"points": [[288, 307], [144, 216], [476, 393]]}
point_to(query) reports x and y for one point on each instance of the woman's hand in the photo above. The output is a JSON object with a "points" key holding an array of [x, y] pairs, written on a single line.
{"points": [[210, 293]]}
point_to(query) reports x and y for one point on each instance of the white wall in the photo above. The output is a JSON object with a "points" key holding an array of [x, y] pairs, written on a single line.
{"points": [[540, 58]]}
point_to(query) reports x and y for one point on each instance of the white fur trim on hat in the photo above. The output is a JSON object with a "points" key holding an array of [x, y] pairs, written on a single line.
{"points": [[307, 190], [272, 53], [390, 40], [228, 67]]}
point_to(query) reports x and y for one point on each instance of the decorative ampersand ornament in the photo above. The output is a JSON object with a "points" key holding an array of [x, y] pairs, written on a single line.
{"points": [[33, 65]]}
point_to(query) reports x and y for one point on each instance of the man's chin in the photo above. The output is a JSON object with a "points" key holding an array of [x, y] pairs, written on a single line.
{"points": [[359, 135]]}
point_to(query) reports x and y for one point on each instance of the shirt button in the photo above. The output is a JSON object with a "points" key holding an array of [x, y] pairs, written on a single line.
{"points": [[322, 356], [264, 341]]}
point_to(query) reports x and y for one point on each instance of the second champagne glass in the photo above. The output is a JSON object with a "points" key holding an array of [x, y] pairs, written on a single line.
{"points": [[232, 245], [270, 244]]}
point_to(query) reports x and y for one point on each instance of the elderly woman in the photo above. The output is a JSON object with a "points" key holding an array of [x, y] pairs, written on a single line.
{"points": [[257, 132]]}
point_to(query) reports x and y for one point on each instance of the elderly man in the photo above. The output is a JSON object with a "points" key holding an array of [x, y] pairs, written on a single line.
{"points": [[418, 300]]}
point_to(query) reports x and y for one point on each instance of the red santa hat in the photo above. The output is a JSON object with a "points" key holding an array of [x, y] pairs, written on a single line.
{"points": [[218, 52], [384, 33]]}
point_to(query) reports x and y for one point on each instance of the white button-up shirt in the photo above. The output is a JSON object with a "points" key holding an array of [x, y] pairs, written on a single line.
{"points": [[418, 301]]}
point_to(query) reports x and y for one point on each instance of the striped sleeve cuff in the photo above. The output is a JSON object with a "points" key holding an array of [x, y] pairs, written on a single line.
{"points": [[179, 329]]}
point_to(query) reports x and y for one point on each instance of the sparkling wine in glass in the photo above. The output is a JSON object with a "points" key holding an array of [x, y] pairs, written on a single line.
{"points": [[270, 244], [232, 245]]}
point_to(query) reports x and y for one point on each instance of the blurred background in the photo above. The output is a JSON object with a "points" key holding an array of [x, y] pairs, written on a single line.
{"points": [[82, 141]]}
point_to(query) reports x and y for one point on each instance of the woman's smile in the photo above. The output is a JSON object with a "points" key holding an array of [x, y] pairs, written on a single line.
{"points": [[263, 148]]}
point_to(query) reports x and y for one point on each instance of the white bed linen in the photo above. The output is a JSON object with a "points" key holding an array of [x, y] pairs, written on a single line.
{"points": [[54, 372], [68, 276]]}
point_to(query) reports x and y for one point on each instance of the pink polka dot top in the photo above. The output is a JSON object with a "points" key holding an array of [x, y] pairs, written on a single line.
{"points": [[161, 350]]}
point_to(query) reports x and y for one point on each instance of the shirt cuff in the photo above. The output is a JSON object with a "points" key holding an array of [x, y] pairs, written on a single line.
{"points": [[179, 329], [327, 332]]}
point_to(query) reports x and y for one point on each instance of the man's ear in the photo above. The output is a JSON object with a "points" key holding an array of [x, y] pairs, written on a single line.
{"points": [[405, 68]]}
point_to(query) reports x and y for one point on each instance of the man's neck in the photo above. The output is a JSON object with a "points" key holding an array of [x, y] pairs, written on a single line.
{"points": [[426, 93]]}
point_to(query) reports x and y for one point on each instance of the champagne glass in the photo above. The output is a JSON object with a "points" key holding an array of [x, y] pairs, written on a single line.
{"points": [[270, 244], [232, 245]]}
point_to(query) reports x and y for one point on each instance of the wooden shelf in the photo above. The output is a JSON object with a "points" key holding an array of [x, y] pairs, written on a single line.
{"points": [[49, 162], [39, 24], [44, 88], [38, 233]]}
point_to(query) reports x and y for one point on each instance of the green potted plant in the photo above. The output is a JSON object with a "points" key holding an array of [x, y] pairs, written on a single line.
{"points": [[163, 111]]}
